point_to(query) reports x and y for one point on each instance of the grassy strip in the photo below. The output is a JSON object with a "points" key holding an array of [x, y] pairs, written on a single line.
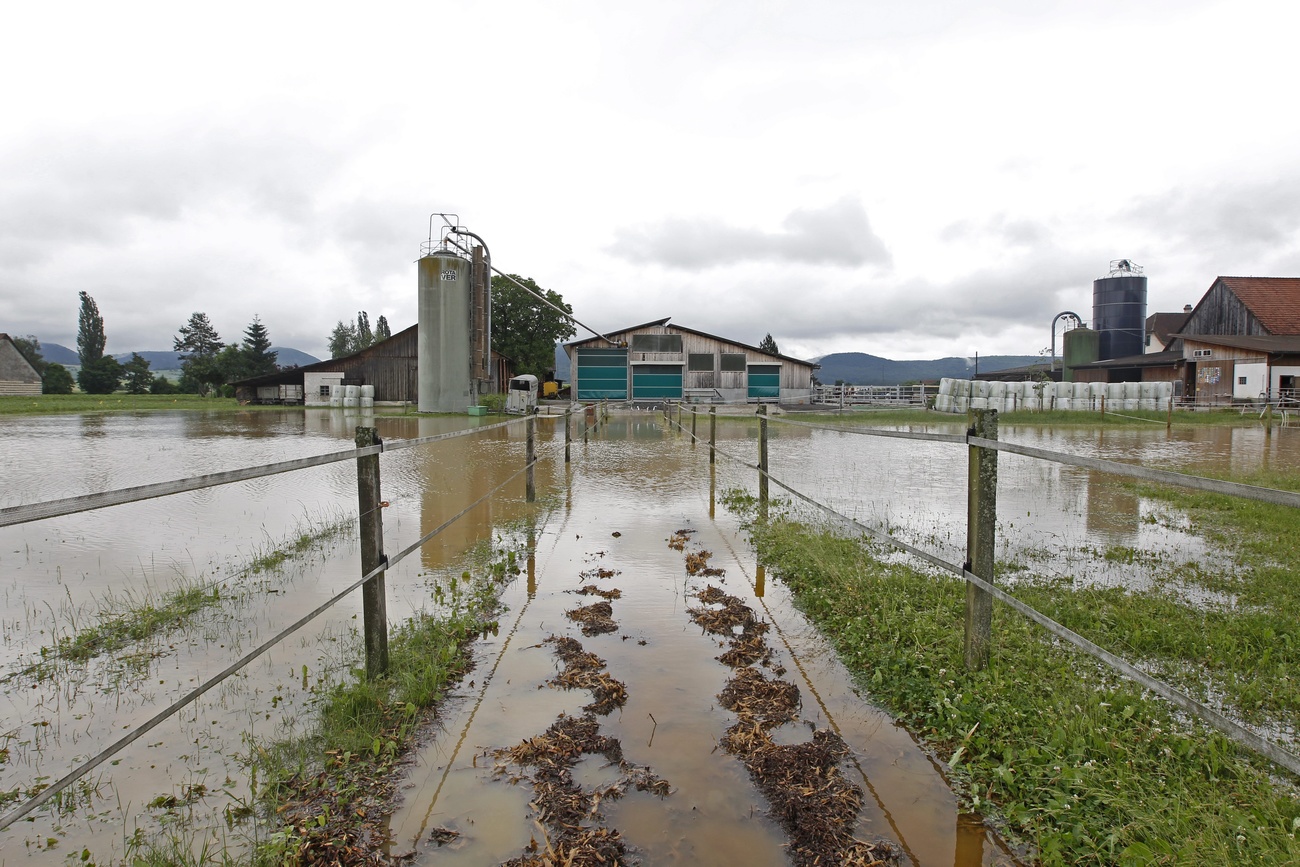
{"points": [[1056, 418], [54, 404], [331, 791], [1074, 759]]}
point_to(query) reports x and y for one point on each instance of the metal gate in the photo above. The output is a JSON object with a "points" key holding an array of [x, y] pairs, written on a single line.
{"points": [[657, 382], [764, 381], [602, 374]]}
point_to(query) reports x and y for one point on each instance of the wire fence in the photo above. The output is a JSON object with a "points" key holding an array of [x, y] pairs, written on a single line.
{"points": [[72, 505], [1237, 732]]}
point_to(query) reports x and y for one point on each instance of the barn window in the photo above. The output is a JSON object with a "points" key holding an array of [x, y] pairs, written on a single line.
{"points": [[324, 391], [1241, 380], [733, 361], [656, 343], [700, 361]]}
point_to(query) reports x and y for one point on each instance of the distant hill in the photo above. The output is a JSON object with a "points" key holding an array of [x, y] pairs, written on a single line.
{"points": [[859, 368], [165, 360], [287, 357]]}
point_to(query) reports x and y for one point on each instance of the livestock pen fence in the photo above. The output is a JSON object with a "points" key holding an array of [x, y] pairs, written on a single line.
{"points": [[374, 561], [983, 447]]}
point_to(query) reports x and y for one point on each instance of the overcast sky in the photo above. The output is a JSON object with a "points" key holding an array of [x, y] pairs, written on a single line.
{"points": [[912, 180]]}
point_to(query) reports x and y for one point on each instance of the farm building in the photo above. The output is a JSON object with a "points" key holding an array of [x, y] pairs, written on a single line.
{"points": [[390, 366], [657, 361], [1240, 342], [17, 376]]}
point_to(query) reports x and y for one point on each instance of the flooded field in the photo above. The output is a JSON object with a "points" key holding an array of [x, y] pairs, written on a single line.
{"points": [[634, 479]]}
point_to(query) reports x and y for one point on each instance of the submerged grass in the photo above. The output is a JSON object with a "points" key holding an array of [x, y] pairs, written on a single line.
{"points": [[129, 618], [330, 790], [1074, 759]]}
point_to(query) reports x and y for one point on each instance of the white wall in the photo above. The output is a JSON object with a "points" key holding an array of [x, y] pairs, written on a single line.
{"points": [[1256, 375], [311, 386]]}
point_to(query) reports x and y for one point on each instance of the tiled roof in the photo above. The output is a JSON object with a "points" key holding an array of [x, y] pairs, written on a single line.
{"points": [[1275, 301], [1165, 325]]}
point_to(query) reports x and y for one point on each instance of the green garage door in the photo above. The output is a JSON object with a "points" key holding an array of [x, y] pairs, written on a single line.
{"points": [[765, 381], [602, 374], [656, 382]]}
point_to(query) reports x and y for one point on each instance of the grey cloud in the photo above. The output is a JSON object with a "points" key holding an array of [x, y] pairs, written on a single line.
{"points": [[839, 234], [1237, 218], [1018, 232]]}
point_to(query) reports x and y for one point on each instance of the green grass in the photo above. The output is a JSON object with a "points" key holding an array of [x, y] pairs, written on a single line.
{"points": [[1071, 757], [51, 404], [312, 784]]}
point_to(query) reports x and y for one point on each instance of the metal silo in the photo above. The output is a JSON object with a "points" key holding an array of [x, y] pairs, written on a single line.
{"points": [[1119, 310], [443, 355]]}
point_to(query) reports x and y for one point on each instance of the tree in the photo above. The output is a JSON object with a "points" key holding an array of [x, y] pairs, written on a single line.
{"points": [[365, 337], [90, 331], [198, 344], [342, 340], [30, 347], [769, 345], [56, 380], [258, 358], [382, 331], [137, 375], [525, 328], [162, 385], [101, 376]]}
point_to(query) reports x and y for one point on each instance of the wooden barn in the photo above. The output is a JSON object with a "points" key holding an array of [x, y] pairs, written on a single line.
{"points": [[390, 366], [17, 376], [658, 361]]}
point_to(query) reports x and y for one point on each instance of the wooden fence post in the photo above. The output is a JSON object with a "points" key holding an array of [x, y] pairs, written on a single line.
{"points": [[568, 432], [713, 434], [374, 608], [981, 519], [530, 453], [762, 462]]}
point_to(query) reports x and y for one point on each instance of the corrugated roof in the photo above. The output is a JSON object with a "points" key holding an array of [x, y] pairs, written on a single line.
{"points": [[1274, 343], [1275, 301]]}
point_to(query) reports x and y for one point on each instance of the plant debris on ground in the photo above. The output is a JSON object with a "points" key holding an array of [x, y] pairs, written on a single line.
{"points": [[804, 784], [596, 619]]}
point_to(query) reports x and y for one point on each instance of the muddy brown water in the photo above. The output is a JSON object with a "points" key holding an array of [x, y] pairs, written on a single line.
{"points": [[634, 477]]}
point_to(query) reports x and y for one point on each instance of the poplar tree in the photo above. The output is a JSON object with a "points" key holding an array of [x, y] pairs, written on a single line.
{"points": [[90, 331]]}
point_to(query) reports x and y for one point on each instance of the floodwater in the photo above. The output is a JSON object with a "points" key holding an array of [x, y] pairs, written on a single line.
{"points": [[634, 477]]}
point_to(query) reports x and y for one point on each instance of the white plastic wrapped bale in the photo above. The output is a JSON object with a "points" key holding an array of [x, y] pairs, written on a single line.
{"points": [[997, 389], [979, 388], [945, 387]]}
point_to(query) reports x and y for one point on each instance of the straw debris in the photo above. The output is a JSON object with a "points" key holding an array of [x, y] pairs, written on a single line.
{"points": [[679, 539], [585, 670], [596, 619], [568, 812], [593, 590]]}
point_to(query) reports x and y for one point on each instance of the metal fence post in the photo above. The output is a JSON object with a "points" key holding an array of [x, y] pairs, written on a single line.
{"points": [[713, 434], [568, 432], [981, 518], [530, 453], [762, 462], [374, 608], [692, 427]]}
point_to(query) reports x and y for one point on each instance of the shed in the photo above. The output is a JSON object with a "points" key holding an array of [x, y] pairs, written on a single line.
{"points": [[389, 365], [17, 376], [658, 361]]}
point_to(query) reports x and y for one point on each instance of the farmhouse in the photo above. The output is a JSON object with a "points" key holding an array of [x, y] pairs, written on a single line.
{"points": [[657, 361], [17, 376], [1240, 342]]}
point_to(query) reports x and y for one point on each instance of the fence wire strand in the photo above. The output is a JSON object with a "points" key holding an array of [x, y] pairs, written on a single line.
{"points": [[1238, 733], [180, 704]]}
